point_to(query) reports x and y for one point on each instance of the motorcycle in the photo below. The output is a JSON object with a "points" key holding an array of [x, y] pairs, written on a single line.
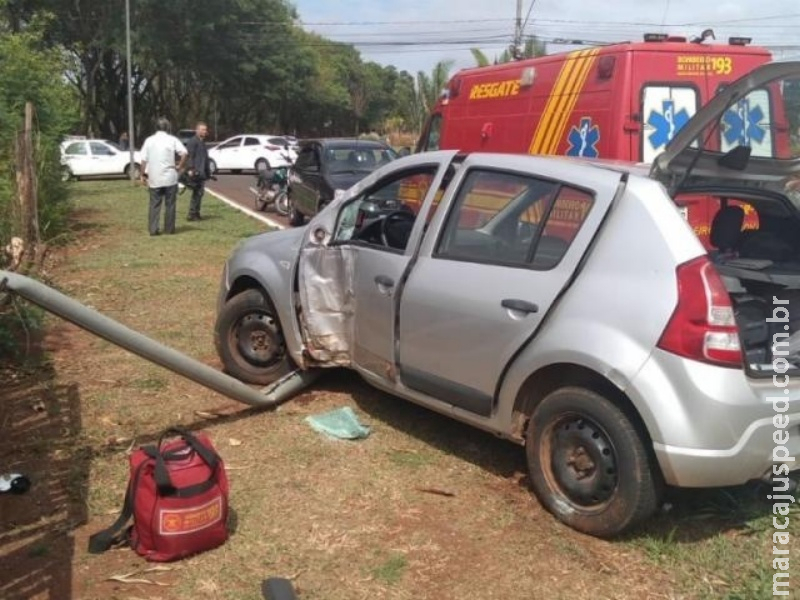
{"points": [[272, 187]]}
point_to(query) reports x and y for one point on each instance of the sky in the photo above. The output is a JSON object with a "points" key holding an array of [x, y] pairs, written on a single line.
{"points": [[414, 35]]}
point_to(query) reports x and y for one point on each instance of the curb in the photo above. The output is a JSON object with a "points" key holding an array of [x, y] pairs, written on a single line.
{"points": [[249, 212]]}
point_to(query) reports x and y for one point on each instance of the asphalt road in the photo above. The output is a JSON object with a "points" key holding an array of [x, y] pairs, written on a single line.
{"points": [[236, 188]]}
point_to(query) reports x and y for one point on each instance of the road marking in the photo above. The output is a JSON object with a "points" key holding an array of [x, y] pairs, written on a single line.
{"points": [[249, 212]]}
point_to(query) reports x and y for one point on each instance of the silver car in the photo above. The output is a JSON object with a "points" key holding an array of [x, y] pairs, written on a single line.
{"points": [[562, 304]]}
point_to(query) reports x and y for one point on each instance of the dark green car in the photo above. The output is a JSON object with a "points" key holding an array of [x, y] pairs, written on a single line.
{"points": [[326, 166]]}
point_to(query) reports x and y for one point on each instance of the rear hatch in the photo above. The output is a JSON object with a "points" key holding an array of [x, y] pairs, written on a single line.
{"points": [[743, 150]]}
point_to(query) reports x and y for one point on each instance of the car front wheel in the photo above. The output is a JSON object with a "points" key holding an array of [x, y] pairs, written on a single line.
{"points": [[250, 341], [588, 463], [212, 166], [66, 174]]}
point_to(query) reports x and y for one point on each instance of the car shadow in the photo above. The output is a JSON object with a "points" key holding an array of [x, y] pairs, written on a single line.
{"points": [[40, 428], [687, 515]]}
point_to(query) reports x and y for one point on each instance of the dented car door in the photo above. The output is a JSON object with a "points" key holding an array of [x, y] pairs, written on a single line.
{"points": [[355, 256]]}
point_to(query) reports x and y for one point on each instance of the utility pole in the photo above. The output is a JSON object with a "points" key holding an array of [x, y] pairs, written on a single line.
{"points": [[131, 135], [516, 50]]}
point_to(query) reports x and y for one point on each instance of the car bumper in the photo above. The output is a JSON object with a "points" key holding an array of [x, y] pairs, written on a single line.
{"points": [[751, 458], [713, 426]]}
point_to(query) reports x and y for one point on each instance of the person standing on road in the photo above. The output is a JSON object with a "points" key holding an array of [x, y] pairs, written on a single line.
{"points": [[160, 172], [198, 168]]}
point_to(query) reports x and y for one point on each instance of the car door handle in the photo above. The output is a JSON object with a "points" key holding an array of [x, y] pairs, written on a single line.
{"points": [[384, 281], [519, 305]]}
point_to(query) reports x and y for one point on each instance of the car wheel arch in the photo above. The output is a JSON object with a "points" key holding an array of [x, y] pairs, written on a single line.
{"points": [[546, 380]]}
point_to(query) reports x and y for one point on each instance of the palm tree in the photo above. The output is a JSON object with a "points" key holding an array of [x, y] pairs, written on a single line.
{"points": [[430, 86], [481, 59], [532, 48]]}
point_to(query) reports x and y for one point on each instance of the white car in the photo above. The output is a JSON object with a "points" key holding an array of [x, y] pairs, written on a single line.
{"points": [[82, 158], [250, 151]]}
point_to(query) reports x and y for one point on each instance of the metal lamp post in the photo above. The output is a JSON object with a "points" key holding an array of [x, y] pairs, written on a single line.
{"points": [[131, 135]]}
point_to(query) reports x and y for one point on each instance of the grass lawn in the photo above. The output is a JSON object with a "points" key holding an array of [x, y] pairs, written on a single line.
{"points": [[344, 520]]}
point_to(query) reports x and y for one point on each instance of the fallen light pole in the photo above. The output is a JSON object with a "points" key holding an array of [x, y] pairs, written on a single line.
{"points": [[73, 311]]}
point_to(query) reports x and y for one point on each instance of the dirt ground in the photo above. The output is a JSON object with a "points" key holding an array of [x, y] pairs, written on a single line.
{"points": [[422, 508]]}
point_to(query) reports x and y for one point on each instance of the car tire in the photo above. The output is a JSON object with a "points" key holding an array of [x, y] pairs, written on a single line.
{"points": [[66, 174], [137, 173], [262, 164], [212, 166], [282, 204], [249, 339], [589, 464], [296, 218]]}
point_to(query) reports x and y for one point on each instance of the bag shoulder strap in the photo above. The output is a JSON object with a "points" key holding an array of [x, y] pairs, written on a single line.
{"points": [[103, 540]]}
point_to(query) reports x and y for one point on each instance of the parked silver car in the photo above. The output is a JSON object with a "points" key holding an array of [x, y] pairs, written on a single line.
{"points": [[561, 304]]}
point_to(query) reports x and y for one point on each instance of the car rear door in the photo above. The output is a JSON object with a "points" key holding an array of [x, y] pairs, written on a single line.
{"points": [[252, 148], [510, 238]]}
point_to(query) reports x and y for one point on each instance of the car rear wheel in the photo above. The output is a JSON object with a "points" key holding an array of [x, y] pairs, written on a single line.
{"points": [[66, 174], [136, 171], [588, 463], [212, 166], [250, 341]]}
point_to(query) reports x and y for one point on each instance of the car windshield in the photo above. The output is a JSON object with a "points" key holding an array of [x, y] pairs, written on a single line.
{"points": [[357, 159]]}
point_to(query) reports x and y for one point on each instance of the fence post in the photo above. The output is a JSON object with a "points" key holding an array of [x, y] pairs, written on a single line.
{"points": [[26, 187]]}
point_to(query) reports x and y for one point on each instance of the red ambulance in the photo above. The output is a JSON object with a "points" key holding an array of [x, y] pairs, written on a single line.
{"points": [[621, 101]]}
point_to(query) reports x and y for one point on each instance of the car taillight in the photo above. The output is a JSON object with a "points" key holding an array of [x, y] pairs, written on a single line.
{"points": [[703, 326]]}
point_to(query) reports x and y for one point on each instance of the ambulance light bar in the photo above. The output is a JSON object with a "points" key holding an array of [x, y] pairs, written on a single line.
{"points": [[739, 41], [655, 37]]}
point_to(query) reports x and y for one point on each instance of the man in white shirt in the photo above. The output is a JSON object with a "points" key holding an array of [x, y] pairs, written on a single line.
{"points": [[163, 158]]}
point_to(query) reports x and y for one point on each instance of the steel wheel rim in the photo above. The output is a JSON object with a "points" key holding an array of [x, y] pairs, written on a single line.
{"points": [[580, 462], [258, 340]]}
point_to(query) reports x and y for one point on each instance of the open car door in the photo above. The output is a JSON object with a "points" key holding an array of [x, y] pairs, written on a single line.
{"points": [[354, 257]]}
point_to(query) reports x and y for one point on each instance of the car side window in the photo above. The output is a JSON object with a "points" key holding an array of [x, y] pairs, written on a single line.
{"points": [[384, 215], [234, 143], [76, 149], [99, 149], [250, 141], [307, 160], [511, 219]]}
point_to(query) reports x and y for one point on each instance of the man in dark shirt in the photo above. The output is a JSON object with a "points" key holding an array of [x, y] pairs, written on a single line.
{"points": [[197, 169]]}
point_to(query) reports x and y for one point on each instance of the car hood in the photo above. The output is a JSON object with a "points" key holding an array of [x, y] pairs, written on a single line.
{"points": [[343, 180], [687, 162], [282, 244]]}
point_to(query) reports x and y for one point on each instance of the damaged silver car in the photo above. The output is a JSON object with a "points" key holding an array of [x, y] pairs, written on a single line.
{"points": [[565, 305]]}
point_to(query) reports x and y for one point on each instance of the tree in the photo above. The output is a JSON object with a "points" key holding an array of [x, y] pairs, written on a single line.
{"points": [[532, 48], [29, 72]]}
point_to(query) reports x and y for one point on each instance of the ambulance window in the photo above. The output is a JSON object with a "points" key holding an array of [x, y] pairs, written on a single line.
{"points": [[665, 109], [748, 123], [434, 133]]}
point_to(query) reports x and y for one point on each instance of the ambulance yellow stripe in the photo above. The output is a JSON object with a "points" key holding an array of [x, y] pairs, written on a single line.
{"points": [[556, 98], [572, 99], [562, 101]]}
